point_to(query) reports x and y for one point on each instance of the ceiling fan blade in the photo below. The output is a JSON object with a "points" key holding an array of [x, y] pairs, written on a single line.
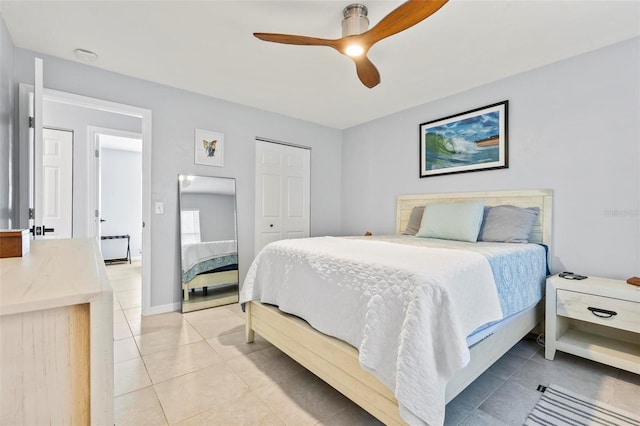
{"points": [[296, 39], [405, 16], [367, 72]]}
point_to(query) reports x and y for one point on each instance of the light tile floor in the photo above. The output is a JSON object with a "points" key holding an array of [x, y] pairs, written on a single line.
{"points": [[195, 369]]}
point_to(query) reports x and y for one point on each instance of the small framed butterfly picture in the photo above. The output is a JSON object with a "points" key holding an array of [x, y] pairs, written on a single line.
{"points": [[209, 148]]}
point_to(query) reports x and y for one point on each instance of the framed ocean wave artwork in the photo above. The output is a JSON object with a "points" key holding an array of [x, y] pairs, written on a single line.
{"points": [[466, 142]]}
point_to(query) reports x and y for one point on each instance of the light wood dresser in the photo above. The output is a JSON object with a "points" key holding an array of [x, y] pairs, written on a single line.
{"points": [[595, 318], [56, 336]]}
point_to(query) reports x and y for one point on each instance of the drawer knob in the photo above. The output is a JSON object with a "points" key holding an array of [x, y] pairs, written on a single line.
{"points": [[602, 313]]}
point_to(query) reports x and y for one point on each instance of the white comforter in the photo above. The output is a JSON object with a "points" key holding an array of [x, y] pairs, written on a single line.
{"points": [[407, 309]]}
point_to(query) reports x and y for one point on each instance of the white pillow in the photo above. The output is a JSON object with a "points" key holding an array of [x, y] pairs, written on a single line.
{"points": [[452, 221]]}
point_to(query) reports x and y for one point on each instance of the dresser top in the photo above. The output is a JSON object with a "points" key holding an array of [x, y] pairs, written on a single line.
{"points": [[53, 274]]}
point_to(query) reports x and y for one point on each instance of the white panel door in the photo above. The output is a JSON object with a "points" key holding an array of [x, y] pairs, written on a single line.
{"points": [[50, 171], [297, 188], [282, 193], [57, 186]]}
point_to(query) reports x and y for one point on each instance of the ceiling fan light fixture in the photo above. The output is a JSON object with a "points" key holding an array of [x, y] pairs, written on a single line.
{"points": [[354, 50], [355, 20]]}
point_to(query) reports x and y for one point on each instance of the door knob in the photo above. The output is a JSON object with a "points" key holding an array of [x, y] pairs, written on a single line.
{"points": [[40, 230]]}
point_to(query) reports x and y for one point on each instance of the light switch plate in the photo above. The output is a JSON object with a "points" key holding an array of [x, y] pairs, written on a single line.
{"points": [[159, 207]]}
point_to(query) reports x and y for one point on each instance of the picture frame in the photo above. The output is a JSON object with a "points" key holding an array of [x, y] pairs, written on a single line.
{"points": [[466, 142], [209, 148]]}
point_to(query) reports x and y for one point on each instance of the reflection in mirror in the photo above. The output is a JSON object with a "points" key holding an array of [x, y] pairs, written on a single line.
{"points": [[208, 238]]}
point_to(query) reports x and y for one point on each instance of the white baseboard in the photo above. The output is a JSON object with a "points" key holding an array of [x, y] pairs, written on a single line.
{"points": [[163, 309]]}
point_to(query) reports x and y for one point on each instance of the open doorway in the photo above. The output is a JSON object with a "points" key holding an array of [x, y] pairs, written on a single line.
{"points": [[85, 175], [119, 165]]}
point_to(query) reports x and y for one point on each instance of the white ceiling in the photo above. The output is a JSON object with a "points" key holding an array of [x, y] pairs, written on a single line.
{"points": [[207, 47]]}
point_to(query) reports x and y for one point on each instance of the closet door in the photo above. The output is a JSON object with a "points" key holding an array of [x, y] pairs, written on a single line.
{"points": [[282, 192]]}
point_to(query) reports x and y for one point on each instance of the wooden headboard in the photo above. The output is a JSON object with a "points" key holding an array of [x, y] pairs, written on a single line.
{"points": [[542, 198]]}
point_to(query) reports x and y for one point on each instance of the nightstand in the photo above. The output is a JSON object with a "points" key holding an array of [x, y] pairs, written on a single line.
{"points": [[595, 318]]}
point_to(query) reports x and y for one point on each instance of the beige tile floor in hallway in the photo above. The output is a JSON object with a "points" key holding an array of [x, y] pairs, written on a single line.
{"points": [[195, 369]]}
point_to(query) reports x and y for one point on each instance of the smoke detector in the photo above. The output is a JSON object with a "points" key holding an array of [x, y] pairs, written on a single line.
{"points": [[85, 55]]}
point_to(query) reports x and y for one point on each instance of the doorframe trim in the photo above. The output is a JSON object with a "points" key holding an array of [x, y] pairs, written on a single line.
{"points": [[108, 106]]}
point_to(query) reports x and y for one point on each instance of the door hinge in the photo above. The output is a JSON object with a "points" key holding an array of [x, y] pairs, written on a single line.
{"points": [[97, 153], [31, 123], [32, 213], [97, 213]]}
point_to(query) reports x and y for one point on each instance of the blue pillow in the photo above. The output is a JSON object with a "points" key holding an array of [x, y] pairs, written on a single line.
{"points": [[452, 221]]}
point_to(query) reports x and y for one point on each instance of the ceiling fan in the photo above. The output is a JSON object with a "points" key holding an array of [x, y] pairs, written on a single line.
{"points": [[357, 40]]}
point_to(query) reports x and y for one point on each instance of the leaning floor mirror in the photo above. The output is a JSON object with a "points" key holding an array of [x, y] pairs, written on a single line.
{"points": [[209, 243]]}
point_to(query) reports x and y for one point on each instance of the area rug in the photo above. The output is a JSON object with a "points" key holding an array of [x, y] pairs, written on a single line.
{"points": [[559, 407]]}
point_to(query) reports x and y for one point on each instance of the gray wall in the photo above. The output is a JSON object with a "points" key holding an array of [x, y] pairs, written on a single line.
{"points": [[7, 147], [217, 215], [121, 180], [176, 114], [573, 127]]}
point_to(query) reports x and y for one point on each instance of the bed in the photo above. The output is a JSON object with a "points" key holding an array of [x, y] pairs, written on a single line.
{"points": [[207, 264], [338, 363]]}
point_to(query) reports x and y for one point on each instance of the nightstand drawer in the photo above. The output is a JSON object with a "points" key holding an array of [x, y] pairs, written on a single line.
{"points": [[616, 313]]}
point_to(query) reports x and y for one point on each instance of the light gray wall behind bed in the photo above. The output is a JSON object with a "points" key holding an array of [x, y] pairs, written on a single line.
{"points": [[573, 127]]}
